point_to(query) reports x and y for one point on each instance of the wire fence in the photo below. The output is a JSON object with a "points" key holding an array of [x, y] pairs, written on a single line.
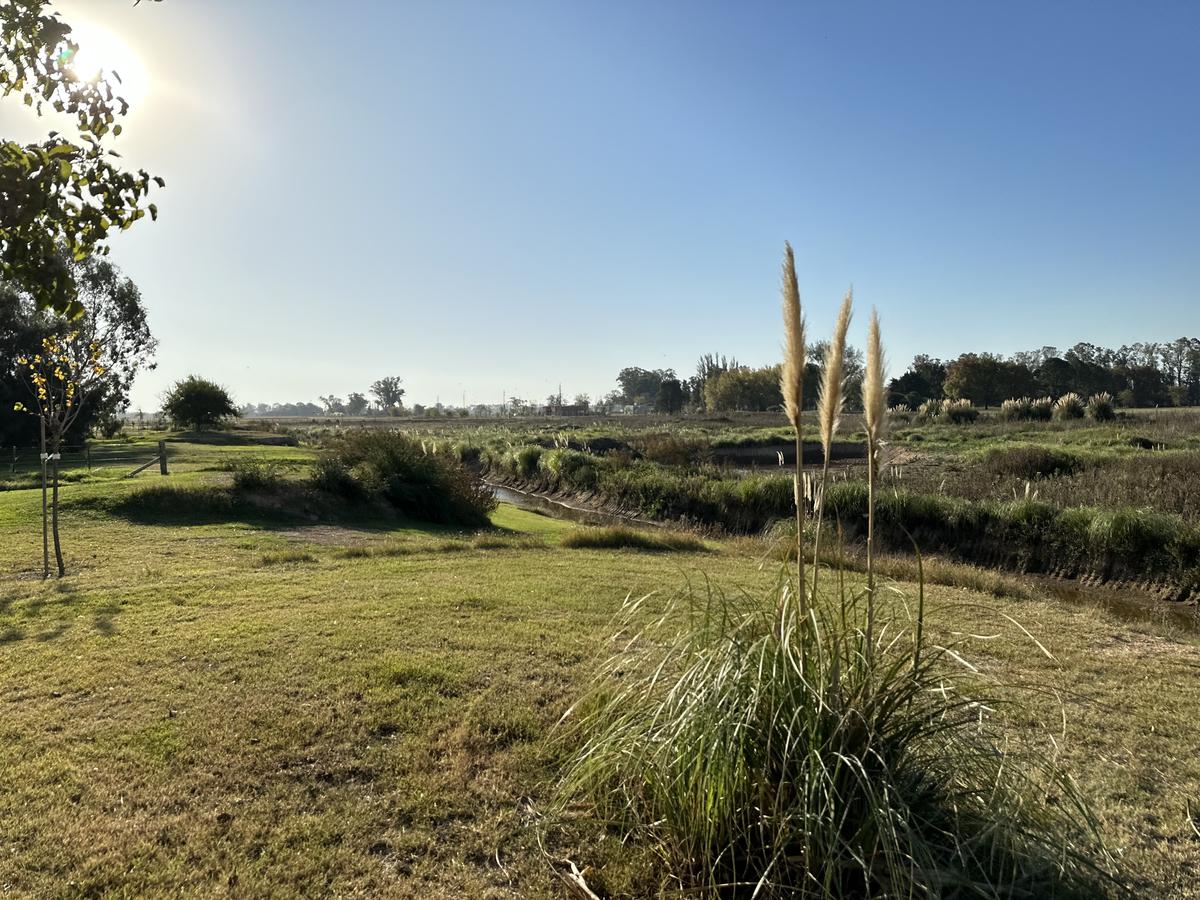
{"points": [[16, 460]]}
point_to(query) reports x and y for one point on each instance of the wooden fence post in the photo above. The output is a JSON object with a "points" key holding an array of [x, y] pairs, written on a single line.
{"points": [[162, 458]]}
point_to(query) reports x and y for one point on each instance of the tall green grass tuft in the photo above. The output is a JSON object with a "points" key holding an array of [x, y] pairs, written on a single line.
{"points": [[788, 758]]}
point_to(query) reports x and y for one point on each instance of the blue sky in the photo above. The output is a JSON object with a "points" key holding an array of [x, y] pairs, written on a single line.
{"points": [[483, 196]]}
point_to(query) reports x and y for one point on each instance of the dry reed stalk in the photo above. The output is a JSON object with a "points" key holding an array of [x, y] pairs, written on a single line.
{"points": [[791, 383], [875, 416], [829, 406]]}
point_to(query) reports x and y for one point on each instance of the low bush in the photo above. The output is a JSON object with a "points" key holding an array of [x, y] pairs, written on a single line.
{"points": [[426, 483], [618, 537], [254, 475], [330, 474]]}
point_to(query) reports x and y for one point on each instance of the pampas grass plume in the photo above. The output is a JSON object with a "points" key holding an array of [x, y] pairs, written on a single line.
{"points": [[832, 392], [874, 394], [791, 375]]}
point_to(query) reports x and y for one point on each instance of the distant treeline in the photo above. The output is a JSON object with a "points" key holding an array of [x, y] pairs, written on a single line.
{"points": [[1136, 375], [1141, 374]]}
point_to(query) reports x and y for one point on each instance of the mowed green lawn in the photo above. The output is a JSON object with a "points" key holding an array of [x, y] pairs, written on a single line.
{"points": [[229, 709]]}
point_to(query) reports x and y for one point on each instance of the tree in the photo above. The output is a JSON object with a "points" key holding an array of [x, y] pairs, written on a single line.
{"points": [[196, 403], [748, 389], [60, 199], [113, 316], [356, 404], [333, 405], [582, 400], [86, 364], [389, 393], [670, 396], [641, 385]]}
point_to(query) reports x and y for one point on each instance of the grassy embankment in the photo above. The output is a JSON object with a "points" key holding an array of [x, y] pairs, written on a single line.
{"points": [[261, 706]]}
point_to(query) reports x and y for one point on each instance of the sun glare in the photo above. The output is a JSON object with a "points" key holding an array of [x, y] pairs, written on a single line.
{"points": [[102, 53]]}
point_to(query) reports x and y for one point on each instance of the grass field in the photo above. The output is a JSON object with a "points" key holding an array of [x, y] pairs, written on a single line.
{"points": [[268, 708]]}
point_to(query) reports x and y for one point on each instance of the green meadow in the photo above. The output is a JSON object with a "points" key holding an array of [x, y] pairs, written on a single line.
{"points": [[255, 700]]}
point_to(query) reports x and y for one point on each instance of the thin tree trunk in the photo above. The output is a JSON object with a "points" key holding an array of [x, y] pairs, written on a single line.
{"points": [[58, 557], [45, 523]]}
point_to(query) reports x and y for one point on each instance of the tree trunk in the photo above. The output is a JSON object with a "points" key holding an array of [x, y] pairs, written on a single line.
{"points": [[45, 529], [58, 557]]}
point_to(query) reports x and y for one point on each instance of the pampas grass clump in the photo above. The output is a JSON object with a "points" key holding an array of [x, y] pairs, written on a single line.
{"points": [[1069, 406], [929, 410], [787, 758], [958, 412], [802, 744], [1041, 409], [1100, 407], [1016, 410]]}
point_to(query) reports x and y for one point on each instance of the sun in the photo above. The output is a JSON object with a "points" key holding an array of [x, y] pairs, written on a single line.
{"points": [[102, 54]]}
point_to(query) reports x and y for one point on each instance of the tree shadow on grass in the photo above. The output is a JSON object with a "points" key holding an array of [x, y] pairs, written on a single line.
{"points": [[46, 618]]}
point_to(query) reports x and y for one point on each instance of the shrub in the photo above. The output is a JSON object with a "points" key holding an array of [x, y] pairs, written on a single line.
{"points": [[1100, 407], [1069, 406], [416, 479], [254, 475], [197, 403], [331, 475], [618, 537]]}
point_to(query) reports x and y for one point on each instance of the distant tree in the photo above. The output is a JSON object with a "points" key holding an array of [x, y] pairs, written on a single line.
{"points": [[986, 380], [933, 371], [641, 385], [389, 393], [418, 410], [356, 404], [332, 404], [745, 389], [196, 403], [582, 400], [61, 197], [1146, 386], [670, 396], [708, 366]]}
